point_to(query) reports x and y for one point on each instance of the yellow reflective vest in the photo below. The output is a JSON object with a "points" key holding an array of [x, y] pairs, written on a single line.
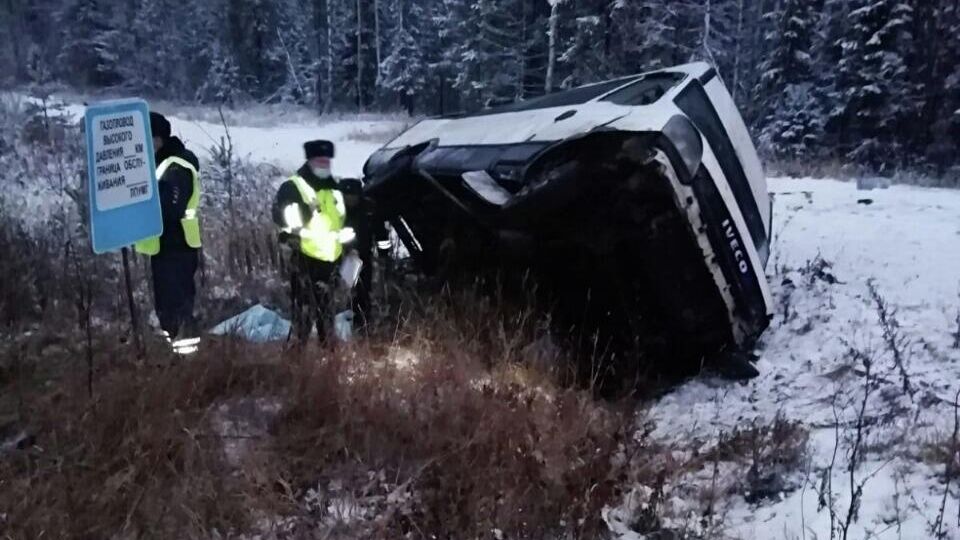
{"points": [[190, 220], [320, 235]]}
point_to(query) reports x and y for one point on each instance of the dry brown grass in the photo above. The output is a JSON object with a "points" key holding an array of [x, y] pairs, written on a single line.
{"points": [[135, 459], [453, 420], [771, 452], [452, 423], [471, 451], [458, 442]]}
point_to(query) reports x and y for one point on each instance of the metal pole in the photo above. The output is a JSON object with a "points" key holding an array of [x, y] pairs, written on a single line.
{"points": [[134, 322]]}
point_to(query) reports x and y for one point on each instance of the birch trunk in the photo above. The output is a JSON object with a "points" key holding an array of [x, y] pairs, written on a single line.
{"points": [[329, 98], [737, 51], [359, 57], [376, 30], [552, 50]]}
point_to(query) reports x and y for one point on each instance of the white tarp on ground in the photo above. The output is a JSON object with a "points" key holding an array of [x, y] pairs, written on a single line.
{"points": [[257, 324], [261, 325]]}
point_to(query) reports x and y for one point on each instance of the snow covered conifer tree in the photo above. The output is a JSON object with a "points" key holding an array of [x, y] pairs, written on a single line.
{"points": [[934, 66], [487, 57], [873, 81], [252, 37], [353, 54], [159, 65], [404, 70], [92, 45], [790, 104], [222, 84], [644, 32], [874, 90], [716, 35], [293, 47], [585, 59]]}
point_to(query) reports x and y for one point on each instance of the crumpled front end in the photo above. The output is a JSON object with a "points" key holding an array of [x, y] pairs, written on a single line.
{"points": [[637, 241]]}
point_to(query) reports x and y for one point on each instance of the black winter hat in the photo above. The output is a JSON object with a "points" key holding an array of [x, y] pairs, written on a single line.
{"points": [[318, 148], [159, 125]]}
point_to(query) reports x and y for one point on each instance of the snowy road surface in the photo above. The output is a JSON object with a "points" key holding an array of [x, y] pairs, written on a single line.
{"points": [[280, 144], [271, 140], [283, 145], [906, 241]]}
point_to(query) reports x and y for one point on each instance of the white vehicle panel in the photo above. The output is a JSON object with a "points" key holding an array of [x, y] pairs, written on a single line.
{"points": [[542, 125], [719, 180], [586, 117], [650, 118], [512, 127], [742, 145], [514, 188]]}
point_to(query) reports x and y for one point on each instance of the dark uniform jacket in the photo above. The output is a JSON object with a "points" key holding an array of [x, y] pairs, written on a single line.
{"points": [[176, 188], [362, 216]]}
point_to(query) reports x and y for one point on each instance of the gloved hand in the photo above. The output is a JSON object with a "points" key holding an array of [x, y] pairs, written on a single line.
{"points": [[347, 235]]}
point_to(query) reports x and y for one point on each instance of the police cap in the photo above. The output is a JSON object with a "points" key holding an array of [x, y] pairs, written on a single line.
{"points": [[318, 148]]}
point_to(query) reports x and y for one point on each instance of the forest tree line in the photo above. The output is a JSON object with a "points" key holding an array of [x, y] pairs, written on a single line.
{"points": [[870, 82]]}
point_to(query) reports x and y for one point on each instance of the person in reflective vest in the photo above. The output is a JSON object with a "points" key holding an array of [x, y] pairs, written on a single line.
{"points": [[310, 212], [174, 256]]}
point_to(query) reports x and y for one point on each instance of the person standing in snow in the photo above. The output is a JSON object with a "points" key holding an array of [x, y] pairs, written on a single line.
{"points": [[310, 211], [362, 218], [174, 256]]}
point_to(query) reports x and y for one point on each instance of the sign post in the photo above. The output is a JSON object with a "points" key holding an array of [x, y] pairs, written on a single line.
{"points": [[124, 199], [122, 184]]}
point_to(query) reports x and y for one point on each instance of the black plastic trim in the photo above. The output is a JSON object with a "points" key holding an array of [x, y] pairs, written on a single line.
{"points": [[729, 248], [693, 101], [708, 76], [458, 159]]}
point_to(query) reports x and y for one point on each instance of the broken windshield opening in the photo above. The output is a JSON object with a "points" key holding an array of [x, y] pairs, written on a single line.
{"points": [[645, 91], [566, 98]]}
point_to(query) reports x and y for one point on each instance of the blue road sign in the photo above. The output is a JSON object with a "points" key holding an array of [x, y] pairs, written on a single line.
{"points": [[124, 199]]}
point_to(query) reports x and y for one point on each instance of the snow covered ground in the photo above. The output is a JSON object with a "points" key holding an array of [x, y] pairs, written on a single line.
{"points": [[906, 242], [275, 140], [833, 247], [274, 137], [282, 145]]}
